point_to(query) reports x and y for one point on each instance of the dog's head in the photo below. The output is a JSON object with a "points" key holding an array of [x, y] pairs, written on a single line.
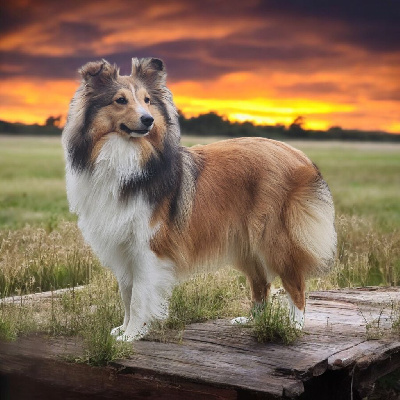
{"points": [[138, 107], [127, 105]]}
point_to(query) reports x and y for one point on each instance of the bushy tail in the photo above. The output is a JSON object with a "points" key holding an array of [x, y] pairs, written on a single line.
{"points": [[310, 218]]}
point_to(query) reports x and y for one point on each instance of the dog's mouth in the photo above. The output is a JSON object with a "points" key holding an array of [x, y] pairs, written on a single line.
{"points": [[130, 131]]}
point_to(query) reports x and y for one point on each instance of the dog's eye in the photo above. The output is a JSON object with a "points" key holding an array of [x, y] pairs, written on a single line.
{"points": [[147, 100], [121, 100]]}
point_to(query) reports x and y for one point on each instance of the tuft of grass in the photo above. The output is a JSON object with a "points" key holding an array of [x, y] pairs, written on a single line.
{"points": [[373, 327], [271, 322], [385, 323], [208, 296], [91, 313], [100, 346]]}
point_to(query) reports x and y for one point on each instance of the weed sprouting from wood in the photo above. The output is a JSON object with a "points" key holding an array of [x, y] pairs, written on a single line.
{"points": [[100, 346], [373, 327], [271, 322], [395, 317], [386, 322], [91, 313]]}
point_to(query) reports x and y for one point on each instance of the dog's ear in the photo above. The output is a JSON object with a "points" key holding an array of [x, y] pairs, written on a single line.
{"points": [[157, 64], [99, 72], [151, 70]]}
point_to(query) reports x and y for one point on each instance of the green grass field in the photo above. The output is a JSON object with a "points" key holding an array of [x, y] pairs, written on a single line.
{"points": [[364, 179], [32, 185], [41, 248]]}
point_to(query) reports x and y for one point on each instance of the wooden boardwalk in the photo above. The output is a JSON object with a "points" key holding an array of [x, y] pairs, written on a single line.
{"points": [[215, 360]]}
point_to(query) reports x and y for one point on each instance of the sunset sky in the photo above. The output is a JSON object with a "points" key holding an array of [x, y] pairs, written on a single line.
{"points": [[336, 63]]}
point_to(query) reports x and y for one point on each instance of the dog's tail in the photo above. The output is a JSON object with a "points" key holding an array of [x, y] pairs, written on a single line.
{"points": [[310, 218]]}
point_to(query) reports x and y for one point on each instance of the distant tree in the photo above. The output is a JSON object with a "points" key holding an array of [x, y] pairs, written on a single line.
{"points": [[53, 121], [296, 128], [335, 129]]}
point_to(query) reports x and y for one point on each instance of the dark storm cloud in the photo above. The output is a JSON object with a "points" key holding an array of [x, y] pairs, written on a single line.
{"points": [[15, 15], [76, 32], [370, 24], [180, 64], [270, 35], [24, 65]]}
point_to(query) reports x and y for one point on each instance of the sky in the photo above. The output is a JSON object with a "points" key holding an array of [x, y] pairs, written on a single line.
{"points": [[336, 63]]}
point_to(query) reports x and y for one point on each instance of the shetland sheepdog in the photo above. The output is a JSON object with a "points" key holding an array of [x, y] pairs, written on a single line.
{"points": [[155, 211]]}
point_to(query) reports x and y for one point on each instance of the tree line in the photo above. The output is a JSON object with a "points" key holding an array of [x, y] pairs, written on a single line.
{"points": [[213, 124]]}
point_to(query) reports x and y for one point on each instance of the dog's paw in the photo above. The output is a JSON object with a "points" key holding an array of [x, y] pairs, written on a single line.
{"points": [[117, 331], [297, 316], [130, 336], [240, 320], [125, 338]]}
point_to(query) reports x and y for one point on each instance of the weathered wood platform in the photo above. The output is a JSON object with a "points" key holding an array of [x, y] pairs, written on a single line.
{"points": [[215, 360]]}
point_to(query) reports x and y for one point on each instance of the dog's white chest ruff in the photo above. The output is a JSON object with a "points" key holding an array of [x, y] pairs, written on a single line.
{"points": [[107, 223]]}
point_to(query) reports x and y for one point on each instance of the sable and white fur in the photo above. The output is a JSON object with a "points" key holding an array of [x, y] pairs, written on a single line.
{"points": [[155, 211]]}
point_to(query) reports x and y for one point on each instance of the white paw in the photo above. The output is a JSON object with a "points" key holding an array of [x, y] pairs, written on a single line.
{"points": [[135, 335], [117, 331], [240, 320], [297, 316], [125, 338]]}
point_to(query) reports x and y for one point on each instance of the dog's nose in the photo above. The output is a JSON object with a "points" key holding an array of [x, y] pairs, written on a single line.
{"points": [[147, 120]]}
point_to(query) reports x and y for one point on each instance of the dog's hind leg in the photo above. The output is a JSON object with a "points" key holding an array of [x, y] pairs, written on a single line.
{"points": [[260, 285], [294, 285]]}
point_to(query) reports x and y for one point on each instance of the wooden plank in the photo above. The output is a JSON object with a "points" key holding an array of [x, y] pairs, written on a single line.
{"points": [[219, 361], [27, 298], [366, 295], [211, 364], [38, 363]]}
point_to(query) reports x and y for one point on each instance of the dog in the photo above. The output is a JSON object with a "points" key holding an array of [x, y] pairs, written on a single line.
{"points": [[156, 212]]}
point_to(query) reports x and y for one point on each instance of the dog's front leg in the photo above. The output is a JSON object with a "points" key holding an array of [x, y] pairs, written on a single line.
{"points": [[125, 288], [139, 316], [151, 288]]}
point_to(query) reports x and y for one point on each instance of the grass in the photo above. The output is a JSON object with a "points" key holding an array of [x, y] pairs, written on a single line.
{"points": [[272, 322], [42, 249], [364, 179], [32, 184], [34, 260], [366, 256], [90, 313], [208, 296]]}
